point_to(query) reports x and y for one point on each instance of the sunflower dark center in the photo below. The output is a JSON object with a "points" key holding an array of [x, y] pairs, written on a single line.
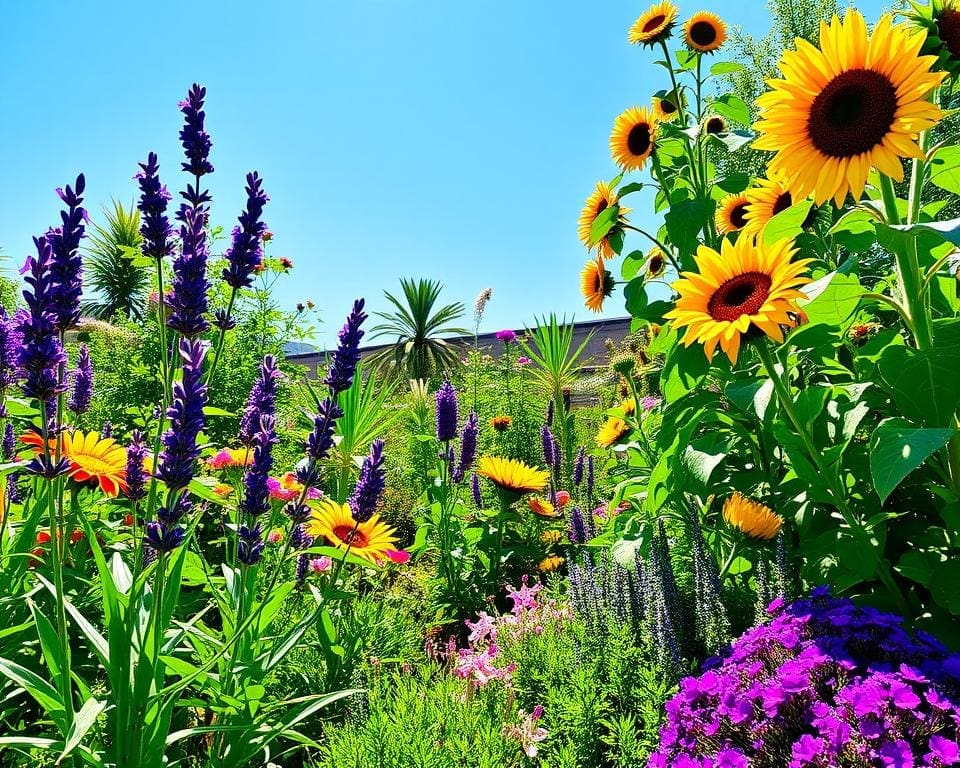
{"points": [[638, 140], [653, 22], [853, 113], [716, 125], [738, 216], [656, 264], [948, 28], [667, 107], [347, 534], [703, 33], [741, 295], [601, 207], [784, 201]]}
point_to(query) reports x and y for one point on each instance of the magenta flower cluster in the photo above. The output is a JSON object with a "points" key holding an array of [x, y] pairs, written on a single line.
{"points": [[823, 683]]}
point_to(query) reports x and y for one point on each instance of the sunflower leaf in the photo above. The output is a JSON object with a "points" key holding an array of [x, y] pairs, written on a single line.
{"points": [[897, 449], [726, 68], [945, 169], [603, 223], [733, 108]]}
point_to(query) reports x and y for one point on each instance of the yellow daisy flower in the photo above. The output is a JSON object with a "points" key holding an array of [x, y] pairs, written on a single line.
{"points": [[512, 475], [611, 432], [371, 539]]}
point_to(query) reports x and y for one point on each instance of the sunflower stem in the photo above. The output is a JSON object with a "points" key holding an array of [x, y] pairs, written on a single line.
{"points": [[666, 251]]}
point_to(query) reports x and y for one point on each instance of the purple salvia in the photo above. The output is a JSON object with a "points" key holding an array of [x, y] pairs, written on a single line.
{"points": [[40, 353], [550, 413], [475, 490], [578, 530], [245, 253], [13, 488], [344, 360], [194, 138], [154, 225], [366, 494], [66, 265], [578, 466], [136, 475], [447, 412], [9, 445], [11, 340], [262, 400], [320, 439], [188, 295], [185, 414], [256, 493], [549, 446], [82, 392], [468, 447]]}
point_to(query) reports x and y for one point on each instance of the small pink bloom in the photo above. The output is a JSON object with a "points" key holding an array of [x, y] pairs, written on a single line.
{"points": [[563, 498], [275, 536], [523, 360], [321, 564], [398, 556]]}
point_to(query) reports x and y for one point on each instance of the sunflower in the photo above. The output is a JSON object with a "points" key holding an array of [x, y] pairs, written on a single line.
{"points": [[611, 432], [940, 19], [744, 289], [541, 507], [596, 284], [512, 475], [501, 423], [765, 200], [632, 139], [714, 125], [550, 564], [334, 522], [600, 199], [93, 459], [656, 263], [751, 517], [666, 106], [704, 32], [731, 215], [654, 24], [856, 103]]}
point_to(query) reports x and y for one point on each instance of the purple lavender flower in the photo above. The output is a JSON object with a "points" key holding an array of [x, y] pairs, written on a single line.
{"points": [[320, 439], [578, 531], [82, 393], [262, 399], [578, 466], [185, 414], [154, 225], [223, 321], [106, 431], [344, 362], [468, 447], [9, 445], [194, 139], [136, 475], [40, 352], [162, 539], [447, 412], [366, 494], [475, 490], [549, 446], [188, 296], [549, 419], [11, 339], [66, 266], [256, 492], [245, 252]]}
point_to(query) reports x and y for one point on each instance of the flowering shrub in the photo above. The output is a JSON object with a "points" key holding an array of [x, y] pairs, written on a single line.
{"points": [[822, 683]]}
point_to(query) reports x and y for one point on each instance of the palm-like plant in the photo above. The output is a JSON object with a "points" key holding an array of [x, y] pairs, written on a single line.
{"points": [[114, 267], [418, 351]]}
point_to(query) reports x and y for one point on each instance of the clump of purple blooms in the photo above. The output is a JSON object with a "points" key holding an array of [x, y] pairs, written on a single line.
{"points": [[366, 494], [82, 393], [447, 412], [506, 336], [823, 683]]}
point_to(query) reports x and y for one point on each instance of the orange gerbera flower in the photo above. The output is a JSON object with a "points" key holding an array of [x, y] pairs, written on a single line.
{"points": [[93, 459]]}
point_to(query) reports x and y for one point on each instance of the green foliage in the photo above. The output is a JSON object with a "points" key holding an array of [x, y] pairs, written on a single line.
{"points": [[115, 270]]}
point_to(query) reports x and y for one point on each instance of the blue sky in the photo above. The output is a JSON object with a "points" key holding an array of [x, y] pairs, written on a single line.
{"points": [[420, 138]]}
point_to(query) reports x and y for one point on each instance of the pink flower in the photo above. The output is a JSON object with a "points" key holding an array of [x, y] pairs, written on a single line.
{"points": [[275, 536], [649, 402], [321, 564], [230, 457], [563, 498], [523, 360], [287, 488], [484, 628], [528, 733], [400, 556], [525, 597], [506, 336], [478, 665]]}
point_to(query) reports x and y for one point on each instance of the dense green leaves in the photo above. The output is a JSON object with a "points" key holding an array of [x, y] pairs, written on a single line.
{"points": [[897, 449]]}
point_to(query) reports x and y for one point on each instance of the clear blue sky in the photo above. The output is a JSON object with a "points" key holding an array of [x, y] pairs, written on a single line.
{"points": [[431, 138]]}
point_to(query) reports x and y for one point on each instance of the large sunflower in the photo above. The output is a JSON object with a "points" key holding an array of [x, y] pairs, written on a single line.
{"points": [[940, 19], [631, 142], [596, 284], [751, 517], [612, 432], [334, 522], [769, 197], [93, 459], [600, 199], [666, 106], [704, 32], [654, 24], [512, 475], [856, 103], [744, 289], [731, 215], [715, 125]]}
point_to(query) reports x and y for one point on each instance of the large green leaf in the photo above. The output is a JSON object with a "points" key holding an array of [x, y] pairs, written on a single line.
{"points": [[733, 108], [683, 370], [787, 224], [897, 449], [945, 169], [833, 299], [924, 383], [684, 222]]}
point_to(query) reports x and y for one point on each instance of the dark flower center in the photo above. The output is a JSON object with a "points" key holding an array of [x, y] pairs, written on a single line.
{"points": [[601, 207], [638, 140], [738, 216], [703, 33], [784, 201], [853, 113], [355, 538], [656, 264], [716, 125], [948, 29], [654, 22], [740, 295], [667, 107]]}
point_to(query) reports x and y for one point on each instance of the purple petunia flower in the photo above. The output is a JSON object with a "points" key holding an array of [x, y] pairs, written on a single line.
{"points": [[40, 352], [366, 494], [136, 474], [262, 399], [82, 393], [447, 412], [154, 225], [66, 265], [188, 295], [344, 361], [245, 253]]}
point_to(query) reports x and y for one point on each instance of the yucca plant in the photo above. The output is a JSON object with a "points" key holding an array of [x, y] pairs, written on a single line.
{"points": [[114, 268]]}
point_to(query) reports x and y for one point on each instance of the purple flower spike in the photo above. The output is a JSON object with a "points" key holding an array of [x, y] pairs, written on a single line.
{"points": [[549, 445], [188, 297], [11, 339], [446, 412], [246, 252], [256, 492], [578, 530], [194, 139], [475, 490], [154, 225], [262, 400], [9, 444], [347, 355], [320, 439], [82, 393], [468, 447], [578, 466], [40, 353], [366, 494], [66, 266], [136, 474], [180, 450]]}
